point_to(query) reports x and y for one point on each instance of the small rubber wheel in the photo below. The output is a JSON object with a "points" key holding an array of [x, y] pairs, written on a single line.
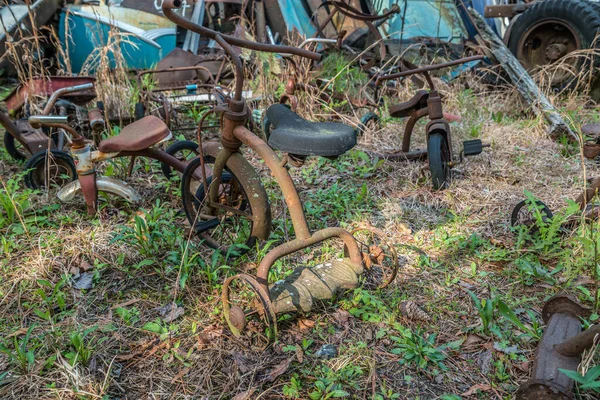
{"points": [[368, 122], [438, 154], [551, 29], [183, 150], [232, 233], [139, 111], [48, 169], [524, 213], [14, 148]]}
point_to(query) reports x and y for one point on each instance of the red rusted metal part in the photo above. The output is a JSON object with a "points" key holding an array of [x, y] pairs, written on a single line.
{"points": [[591, 150], [505, 10], [236, 316], [592, 130], [45, 87], [96, 119], [189, 70], [257, 196], [14, 130], [560, 348], [584, 198], [90, 192]]}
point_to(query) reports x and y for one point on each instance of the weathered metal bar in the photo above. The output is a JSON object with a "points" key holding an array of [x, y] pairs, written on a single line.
{"points": [[61, 92], [11, 128], [169, 5], [284, 249], [282, 176], [505, 10], [428, 68]]}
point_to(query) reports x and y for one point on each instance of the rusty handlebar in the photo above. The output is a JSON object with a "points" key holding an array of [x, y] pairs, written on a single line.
{"points": [[226, 41], [427, 68], [169, 5]]}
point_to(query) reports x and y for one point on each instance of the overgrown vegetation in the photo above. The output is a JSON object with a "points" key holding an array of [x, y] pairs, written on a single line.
{"points": [[128, 304]]}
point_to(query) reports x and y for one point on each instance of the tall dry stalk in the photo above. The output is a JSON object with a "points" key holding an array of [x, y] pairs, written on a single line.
{"points": [[26, 54], [107, 63]]}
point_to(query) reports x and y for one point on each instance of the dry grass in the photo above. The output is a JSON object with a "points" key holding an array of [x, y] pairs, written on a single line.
{"points": [[440, 236], [132, 362]]}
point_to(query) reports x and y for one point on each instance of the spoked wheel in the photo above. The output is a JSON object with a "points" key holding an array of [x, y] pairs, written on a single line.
{"points": [[225, 225], [379, 257], [524, 213], [183, 150], [438, 154], [14, 148], [248, 312], [49, 169]]}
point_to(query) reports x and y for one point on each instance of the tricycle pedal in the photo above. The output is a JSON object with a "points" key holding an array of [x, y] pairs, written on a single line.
{"points": [[204, 226], [472, 147]]}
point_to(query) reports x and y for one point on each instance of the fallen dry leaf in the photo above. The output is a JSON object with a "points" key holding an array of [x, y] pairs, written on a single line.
{"points": [[277, 371], [304, 324], [473, 389], [125, 304], [299, 354], [342, 318], [247, 395], [472, 339], [18, 332]]}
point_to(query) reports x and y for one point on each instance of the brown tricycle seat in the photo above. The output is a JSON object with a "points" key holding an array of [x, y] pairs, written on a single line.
{"points": [[295, 135], [137, 136]]}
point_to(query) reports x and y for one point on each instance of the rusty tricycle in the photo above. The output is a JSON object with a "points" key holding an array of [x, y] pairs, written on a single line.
{"points": [[229, 206], [135, 140], [425, 103]]}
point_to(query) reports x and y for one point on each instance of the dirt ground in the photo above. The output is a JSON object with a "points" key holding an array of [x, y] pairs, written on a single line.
{"points": [[441, 330]]}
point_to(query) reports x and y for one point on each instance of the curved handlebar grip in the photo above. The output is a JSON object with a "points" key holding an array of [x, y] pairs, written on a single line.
{"points": [[170, 5]]}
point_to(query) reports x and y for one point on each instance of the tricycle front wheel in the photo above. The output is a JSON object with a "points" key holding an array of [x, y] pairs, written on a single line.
{"points": [[227, 224]]}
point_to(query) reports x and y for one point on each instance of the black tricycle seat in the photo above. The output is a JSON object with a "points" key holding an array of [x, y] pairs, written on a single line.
{"points": [[295, 135]]}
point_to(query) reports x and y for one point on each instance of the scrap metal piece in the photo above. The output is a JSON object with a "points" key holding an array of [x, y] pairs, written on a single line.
{"points": [[560, 348], [104, 184]]}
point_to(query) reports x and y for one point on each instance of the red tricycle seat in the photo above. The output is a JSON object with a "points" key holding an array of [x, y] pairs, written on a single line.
{"points": [[137, 136]]}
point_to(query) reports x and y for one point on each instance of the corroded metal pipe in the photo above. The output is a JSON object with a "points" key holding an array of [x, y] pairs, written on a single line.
{"points": [[283, 178]]}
